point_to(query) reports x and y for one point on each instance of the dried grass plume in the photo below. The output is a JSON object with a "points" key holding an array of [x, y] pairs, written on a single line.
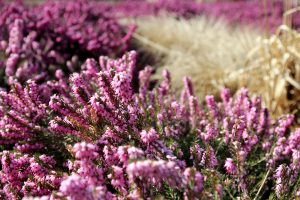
{"points": [[201, 48]]}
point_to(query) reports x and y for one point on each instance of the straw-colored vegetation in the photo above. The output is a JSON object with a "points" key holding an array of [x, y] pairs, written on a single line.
{"points": [[272, 69], [201, 48]]}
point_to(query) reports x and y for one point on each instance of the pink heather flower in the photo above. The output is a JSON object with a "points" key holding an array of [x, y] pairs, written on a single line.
{"points": [[188, 86], [195, 111], [230, 166], [227, 134], [49, 160], [110, 154], [212, 106], [282, 179], [26, 148], [198, 185], [294, 140], [219, 189], [196, 153], [101, 192], [85, 151], [283, 123], [144, 80], [296, 160], [135, 153], [11, 64], [252, 117], [122, 154], [3, 45], [127, 153], [263, 120], [194, 178], [121, 84], [225, 95], [75, 187], [210, 133], [209, 158], [15, 36], [154, 172], [165, 85], [118, 179], [85, 155], [149, 137]]}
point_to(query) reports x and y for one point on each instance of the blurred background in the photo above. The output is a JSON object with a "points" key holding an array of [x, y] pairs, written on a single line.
{"points": [[219, 43]]}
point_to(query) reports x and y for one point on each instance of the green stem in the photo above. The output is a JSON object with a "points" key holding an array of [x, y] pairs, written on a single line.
{"points": [[231, 196], [218, 148], [261, 160]]}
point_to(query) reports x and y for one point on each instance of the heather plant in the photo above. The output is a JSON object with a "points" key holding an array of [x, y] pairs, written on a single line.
{"points": [[121, 144], [38, 40]]}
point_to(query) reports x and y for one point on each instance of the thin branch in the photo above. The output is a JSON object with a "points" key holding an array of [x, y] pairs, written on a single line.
{"points": [[151, 43], [262, 184]]}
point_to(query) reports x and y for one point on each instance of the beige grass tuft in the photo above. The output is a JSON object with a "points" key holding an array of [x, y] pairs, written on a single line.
{"points": [[200, 48]]}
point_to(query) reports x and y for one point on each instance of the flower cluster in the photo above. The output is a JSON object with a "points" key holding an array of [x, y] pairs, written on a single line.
{"points": [[38, 40], [22, 174], [99, 138]]}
